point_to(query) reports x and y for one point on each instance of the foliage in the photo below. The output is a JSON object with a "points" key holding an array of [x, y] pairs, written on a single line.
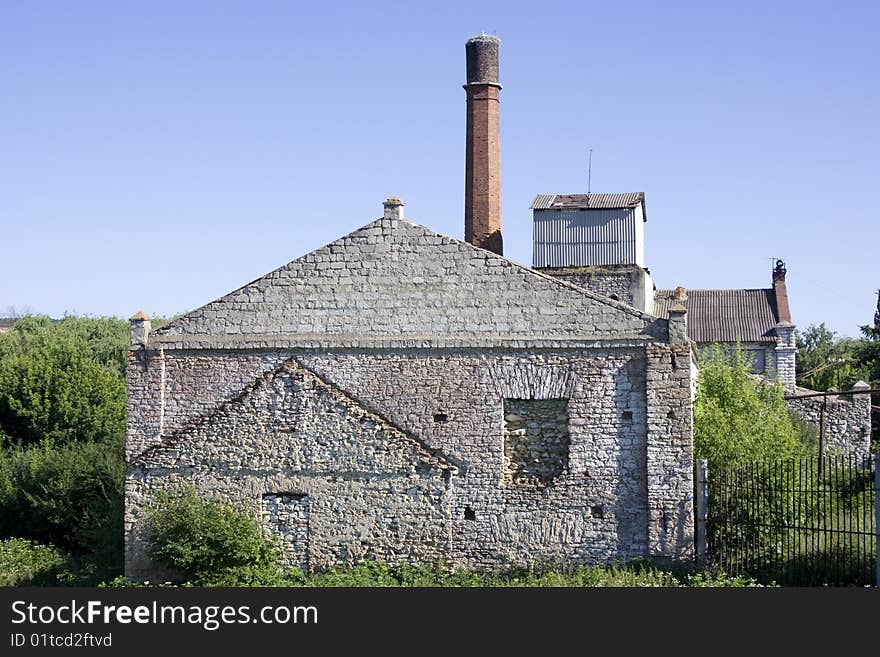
{"points": [[210, 543], [63, 381], [737, 416], [826, 360], [25, 563], [791, 523], [70, 496], [376, 574]]}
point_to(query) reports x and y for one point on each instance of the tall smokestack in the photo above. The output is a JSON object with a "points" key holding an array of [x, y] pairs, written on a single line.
{"points": [[482, 185]]}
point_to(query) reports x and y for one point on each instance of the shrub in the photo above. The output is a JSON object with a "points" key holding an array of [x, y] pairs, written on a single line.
{"points": [[210, 543], [62, 382], [739, 417], [25, 563], [70, 496]]}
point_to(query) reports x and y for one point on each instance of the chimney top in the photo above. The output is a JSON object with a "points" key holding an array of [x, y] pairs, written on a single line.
{"points": [[140, 316], [779, 271], [680, 293], [393, 208], [482, 59]]}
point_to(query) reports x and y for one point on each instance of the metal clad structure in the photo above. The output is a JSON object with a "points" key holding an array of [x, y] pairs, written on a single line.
{"points": [[576, 238], [588, 230]]}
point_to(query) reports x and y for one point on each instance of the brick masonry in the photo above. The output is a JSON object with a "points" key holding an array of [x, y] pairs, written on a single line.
{"points": [[369, 381], [482, 198]]}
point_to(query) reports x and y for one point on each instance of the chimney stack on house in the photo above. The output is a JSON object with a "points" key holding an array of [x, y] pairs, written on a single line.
{"points": [[482, 200]]}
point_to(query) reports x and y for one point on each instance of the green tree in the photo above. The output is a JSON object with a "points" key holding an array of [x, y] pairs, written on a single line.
{"points": [[826, 360], [63, 381], [739, 417]]}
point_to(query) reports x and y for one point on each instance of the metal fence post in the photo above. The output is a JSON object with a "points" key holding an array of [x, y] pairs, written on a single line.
{"points": [[877, 519], [702, 509]]}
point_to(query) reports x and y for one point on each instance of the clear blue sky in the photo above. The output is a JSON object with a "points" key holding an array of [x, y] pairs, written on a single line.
{"points": [[157, 155]]}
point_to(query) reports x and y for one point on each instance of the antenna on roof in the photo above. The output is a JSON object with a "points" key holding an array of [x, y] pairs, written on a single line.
{"points": [[590, 173]]}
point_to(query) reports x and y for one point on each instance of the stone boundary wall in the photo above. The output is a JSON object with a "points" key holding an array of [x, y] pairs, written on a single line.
{"points": [[847, 420]]}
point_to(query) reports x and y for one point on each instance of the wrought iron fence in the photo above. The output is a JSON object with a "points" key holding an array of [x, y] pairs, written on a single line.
{"points": [[807, 522]]}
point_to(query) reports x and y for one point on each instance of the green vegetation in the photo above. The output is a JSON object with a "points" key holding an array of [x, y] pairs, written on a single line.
{"points": [[25, 563], [210, 543], [62, 428], [826, 360], [739, 417]]}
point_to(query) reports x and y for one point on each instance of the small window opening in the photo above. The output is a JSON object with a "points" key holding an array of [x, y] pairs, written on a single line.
{"points": [[440, 417], [469, 513]]}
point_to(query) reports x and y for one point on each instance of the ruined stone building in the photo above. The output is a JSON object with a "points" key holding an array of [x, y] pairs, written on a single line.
{"points": [[407, 396], [403, 395]]}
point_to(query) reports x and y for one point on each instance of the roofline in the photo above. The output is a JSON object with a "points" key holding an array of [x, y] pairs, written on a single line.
{"points": [[614, 207], [379, 222], [718, 289]]}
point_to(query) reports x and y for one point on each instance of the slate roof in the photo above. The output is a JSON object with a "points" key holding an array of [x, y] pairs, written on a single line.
{"points": [[725, 315]]}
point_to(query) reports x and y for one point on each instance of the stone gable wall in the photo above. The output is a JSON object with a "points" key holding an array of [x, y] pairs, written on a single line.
{"points": [[393, 278], [373, 492], [451, 401]]}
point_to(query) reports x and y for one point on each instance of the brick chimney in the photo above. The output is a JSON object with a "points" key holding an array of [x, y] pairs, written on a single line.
{"points": [[781, 292], [786, 349], [482, 186]]}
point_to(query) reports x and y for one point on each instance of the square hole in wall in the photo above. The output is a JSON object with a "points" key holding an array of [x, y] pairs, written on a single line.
{"points": [[536, 441]]}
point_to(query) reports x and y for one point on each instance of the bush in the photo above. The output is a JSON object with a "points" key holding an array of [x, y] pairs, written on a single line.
{"points": [[63, 382], [25, 563], [211, 543], [739, 417], [70, 496]]}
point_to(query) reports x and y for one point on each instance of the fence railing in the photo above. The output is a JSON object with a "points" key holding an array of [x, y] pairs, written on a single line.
{"points": [[802, 522]]}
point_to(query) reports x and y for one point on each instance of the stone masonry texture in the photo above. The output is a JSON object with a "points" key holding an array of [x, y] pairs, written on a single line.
{"points": [[617, 283], [363, 400], [847, 420]]}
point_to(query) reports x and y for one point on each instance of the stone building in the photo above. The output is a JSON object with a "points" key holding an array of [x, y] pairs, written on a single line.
{"points": [[403, 395]]}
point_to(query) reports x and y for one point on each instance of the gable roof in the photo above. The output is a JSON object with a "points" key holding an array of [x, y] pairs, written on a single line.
{"points": [[588, 201], [725, 315], [308, 380], [397, 280]]}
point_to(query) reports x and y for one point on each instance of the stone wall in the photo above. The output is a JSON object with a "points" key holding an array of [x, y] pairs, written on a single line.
{"points": [[618, 283], [847, 420], [358, 395], [536, 441], [594, 509], [372, 491]]}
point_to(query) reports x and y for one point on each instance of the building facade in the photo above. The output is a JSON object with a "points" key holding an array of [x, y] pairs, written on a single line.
{"points": [[406, 396]]}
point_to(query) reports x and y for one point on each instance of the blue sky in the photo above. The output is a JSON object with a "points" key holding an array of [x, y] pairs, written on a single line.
{"points": [[157, 155]]}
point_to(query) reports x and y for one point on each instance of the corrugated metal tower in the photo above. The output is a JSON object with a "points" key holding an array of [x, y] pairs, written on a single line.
{"points": [[596, 241]]}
